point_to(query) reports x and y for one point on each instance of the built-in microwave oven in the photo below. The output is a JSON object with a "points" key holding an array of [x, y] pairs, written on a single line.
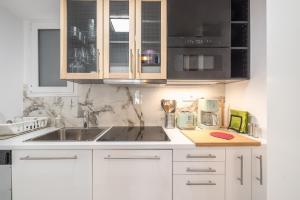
{"points": [[199, 39], [199, 63]]}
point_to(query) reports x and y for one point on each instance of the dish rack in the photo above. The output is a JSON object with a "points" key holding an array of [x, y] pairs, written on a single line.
{"points": [[27, 124]]}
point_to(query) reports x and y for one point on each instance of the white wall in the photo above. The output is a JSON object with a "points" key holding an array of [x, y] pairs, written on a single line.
{"points": [[11, 65], [283, 72], [251, 95]]}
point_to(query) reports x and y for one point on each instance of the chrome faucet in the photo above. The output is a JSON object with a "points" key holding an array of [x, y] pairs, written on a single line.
{"points": [[86, 116]]}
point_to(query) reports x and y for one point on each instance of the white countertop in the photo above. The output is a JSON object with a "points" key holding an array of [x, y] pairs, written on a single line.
{"points": [[178, 141]]}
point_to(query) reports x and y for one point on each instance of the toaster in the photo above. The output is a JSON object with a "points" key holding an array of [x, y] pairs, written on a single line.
{"points": [[186, 120]]}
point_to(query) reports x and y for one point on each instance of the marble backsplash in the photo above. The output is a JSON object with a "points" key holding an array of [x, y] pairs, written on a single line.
{"points": [[110, 105]]}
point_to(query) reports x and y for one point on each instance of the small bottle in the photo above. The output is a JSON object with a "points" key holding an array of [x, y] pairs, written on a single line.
{"points": [[256, 131], [250, 129]]}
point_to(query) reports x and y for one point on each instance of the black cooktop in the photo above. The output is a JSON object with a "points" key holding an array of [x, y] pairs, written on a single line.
{"points": [[128, 134]]}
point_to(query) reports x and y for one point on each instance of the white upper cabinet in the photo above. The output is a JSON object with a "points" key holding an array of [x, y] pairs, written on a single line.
{"points": [[238, 174]]}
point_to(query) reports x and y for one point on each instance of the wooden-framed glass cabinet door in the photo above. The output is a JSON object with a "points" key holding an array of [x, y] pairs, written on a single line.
{"points": [[119, 26], [81, 39], [151, 42]]}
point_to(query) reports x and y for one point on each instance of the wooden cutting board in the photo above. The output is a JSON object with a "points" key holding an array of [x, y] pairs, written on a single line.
{"points": [[202, 138]]}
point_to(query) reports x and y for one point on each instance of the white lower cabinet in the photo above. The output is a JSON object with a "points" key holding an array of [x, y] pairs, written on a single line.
{"points": [[238, 173], [198, 174], [259, 178], [52, 175], [132, 175], [232, 173], [198, 187]]}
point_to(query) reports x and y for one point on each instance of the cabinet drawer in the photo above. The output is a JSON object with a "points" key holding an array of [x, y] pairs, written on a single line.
{"points": [[198, 167], [199, 155], [195, 187]]}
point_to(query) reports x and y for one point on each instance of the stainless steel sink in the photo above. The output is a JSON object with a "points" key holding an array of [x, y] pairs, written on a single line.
{"points": [[71, 134]]}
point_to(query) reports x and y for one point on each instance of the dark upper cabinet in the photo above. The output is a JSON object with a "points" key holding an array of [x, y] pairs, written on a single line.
{"points": [[208, 39], [240, 39]]}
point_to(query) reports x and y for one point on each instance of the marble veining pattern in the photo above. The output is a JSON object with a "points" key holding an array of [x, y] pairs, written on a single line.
{"points": [[110, 105]]}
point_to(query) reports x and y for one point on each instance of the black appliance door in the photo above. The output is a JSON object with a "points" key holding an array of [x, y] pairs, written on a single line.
{"points": [[205, 19], [5, 175], [199, 63]]}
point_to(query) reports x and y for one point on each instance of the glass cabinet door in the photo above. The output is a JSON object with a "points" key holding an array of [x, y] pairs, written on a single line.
{"points": [[119, 38], [151, 39], [81, 45]]}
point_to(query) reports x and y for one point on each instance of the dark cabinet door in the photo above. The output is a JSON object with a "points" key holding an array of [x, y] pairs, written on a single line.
{"points": [[204, 19], [151, 39], [81, 40]]}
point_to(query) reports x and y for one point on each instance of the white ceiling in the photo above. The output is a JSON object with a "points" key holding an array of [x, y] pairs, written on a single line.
{"points": [[32, 9]]}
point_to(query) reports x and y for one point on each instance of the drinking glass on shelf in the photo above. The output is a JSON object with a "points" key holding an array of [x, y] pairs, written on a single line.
{"points": [[92, 54], [91, 30], [80, 36], [83, 56], [84, 39], [74, 32], [76, 64]]}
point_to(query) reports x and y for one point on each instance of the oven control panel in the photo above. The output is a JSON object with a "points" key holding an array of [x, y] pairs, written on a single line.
{"points": [[195, 42]]}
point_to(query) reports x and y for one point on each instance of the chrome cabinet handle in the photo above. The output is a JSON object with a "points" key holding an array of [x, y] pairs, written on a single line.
{"points": [[200, 170], [241, 178], [138, 61], [260, 178], [201, 156], [109, 157], [98, 60], [49, 158], [130, 60], [201, 183]]}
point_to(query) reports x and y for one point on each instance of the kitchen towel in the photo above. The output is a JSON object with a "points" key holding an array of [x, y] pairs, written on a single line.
{"points": [[222, 135]]}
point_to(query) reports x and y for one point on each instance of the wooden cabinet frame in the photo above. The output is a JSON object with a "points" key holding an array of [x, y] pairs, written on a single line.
{"points": [[163, 72], [131, 67], [103, 71], [64, 74]]}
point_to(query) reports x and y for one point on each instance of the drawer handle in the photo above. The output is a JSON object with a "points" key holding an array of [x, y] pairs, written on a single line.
{"points": [[49, 158], [200, 170], [241, 178], [201, 156], [109, 157], [260, 178], [201, 183]]}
